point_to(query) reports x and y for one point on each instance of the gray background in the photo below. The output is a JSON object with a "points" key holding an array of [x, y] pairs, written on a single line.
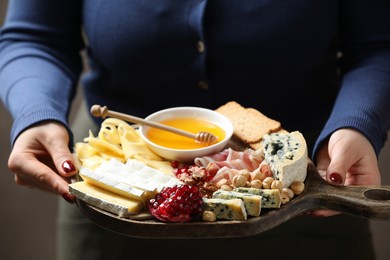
{"points": [[27, 217]]}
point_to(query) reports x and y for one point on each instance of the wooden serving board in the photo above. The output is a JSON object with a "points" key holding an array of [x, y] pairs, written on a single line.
{"points": [[363, 201]]}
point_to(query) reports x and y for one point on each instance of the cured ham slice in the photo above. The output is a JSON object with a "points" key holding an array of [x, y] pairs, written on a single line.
{"points": [[248, 159], [227, 163], [205, 160], [224, 173]]}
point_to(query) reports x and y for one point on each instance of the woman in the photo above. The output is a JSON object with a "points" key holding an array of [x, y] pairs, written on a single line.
{"points": [[283, 58]]}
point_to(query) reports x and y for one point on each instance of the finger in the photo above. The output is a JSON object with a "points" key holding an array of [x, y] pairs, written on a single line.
{"points": [[62, 156], [339, 165], [322, 164], [322, 161], [26, 182], [34, 174], [324, 213], [42, 176]]}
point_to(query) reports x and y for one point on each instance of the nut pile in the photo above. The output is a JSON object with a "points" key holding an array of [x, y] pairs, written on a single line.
{"points": [[261, 178]]}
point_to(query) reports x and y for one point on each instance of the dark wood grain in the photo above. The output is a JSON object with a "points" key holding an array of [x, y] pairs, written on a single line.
{"points": [[363, 201]]}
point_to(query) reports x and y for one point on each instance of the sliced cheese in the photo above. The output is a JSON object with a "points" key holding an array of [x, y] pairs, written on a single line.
{"points": [[252, 202], [232, 209], [160, 165], [134, 179], [106, 149], [270, 198], [150, 175], [109, 183], [103, 199], [286, 154]]}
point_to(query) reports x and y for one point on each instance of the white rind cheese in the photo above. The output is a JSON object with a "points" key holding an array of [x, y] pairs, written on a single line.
{"points": [[133, 180], [113, 185], [232, 209], [286, 154], [138, 175], [270, 198], [252, 202], [100, 198]]}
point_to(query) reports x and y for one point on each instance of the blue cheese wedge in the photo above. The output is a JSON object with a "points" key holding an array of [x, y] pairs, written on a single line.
{"points": [[232, 209], [252, 202], [286, 154], [103, 199], [270, 198]]}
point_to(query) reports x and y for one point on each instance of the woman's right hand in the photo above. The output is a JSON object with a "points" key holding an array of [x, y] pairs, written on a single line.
{"points": [[41, 159]]}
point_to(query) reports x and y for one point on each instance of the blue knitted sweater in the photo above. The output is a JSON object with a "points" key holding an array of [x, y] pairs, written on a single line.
{"points": [[315, 66]]}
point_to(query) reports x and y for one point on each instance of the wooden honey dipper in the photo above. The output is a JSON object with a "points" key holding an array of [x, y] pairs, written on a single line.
{"points": [[202, 137]]}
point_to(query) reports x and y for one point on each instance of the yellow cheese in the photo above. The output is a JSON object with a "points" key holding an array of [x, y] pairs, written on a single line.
{"points": [[105, 200]]}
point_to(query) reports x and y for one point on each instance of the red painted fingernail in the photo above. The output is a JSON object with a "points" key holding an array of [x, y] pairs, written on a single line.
{"points": [[68, 197], [68, 167], [336, 178]]}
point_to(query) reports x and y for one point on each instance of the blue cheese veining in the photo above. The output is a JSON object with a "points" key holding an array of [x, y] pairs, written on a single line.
{"points": [[228, 209], [286, 154], [252, 202]]}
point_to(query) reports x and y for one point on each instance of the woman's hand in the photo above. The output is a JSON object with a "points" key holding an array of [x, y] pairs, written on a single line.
{"points": [[41, 159], [348, 158]]}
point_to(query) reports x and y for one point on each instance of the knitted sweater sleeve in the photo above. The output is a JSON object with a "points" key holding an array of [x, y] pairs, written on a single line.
{"points": [[39, 60], [363, 102]]}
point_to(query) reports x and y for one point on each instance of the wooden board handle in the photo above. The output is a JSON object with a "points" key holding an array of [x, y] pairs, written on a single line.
{"points": [[364, 201]]}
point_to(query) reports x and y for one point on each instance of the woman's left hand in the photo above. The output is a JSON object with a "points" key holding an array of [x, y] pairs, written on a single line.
{"points": [[348, 158]]}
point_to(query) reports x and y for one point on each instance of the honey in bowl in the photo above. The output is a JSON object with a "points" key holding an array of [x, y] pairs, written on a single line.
{"points": [[193, 125]]}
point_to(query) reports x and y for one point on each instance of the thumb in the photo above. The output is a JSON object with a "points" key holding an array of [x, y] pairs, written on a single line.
{"points": [[62, 156], [338, 165]]}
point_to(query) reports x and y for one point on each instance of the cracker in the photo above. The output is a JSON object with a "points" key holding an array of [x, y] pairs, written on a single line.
{"points": [[259, 145], [249, 124]]}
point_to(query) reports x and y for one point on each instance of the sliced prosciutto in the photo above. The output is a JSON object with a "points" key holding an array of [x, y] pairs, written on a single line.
{"points": [[227, 163], [205, 160], [248, 159]]}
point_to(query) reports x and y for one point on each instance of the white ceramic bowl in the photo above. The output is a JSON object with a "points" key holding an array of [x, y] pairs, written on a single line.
{"points": [[195, 112]]}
